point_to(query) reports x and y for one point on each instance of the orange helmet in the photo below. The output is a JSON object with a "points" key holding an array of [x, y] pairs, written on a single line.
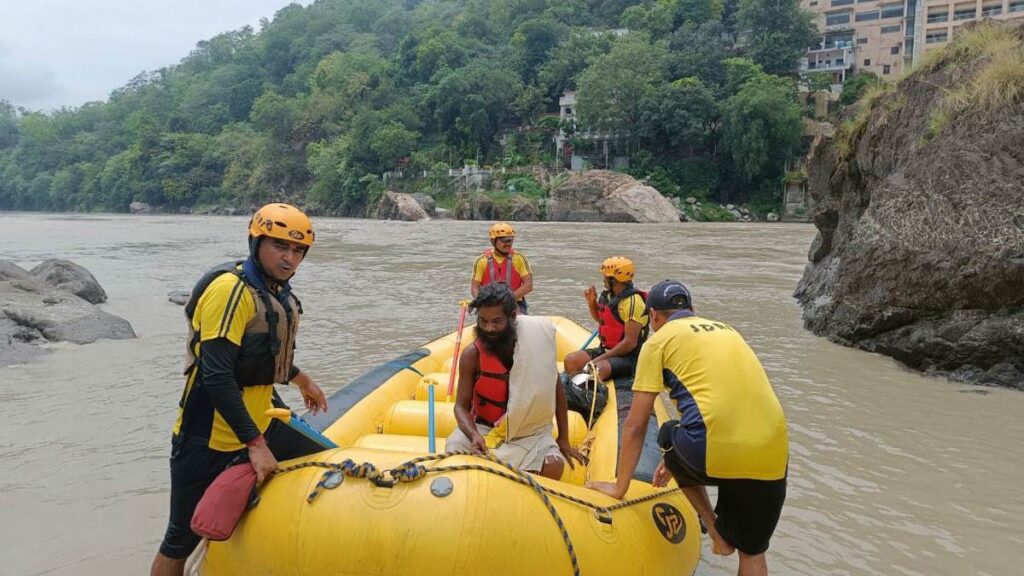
{"points": [[618, 267], [502, 230], [283, 222]]}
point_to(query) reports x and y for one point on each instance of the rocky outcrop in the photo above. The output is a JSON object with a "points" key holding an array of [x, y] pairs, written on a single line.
{"points": [[428, 204], [400, 206], [33, 313], [473, 206], [604, 196], [518, 209], [920, 246], [69, 276]]}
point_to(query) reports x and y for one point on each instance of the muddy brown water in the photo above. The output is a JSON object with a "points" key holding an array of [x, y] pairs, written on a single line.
{"points": [[891, 472]]}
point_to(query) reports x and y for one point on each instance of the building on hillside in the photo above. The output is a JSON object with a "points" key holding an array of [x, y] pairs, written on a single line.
{"points": [[888, 37], [602, 150]]}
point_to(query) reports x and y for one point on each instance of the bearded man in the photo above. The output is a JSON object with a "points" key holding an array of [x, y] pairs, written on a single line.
{"points": [[509, 390]]}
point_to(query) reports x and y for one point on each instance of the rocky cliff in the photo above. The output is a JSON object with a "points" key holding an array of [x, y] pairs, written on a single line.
{"points": [[604, 196], [920, 216]]}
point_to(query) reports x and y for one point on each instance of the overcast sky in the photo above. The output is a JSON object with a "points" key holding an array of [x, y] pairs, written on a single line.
{"points": [[57, 53]]}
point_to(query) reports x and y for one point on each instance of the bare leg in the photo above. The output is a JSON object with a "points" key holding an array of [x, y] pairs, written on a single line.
{"points": [[756, 565], [698, 497], [167, 566], [575, 361], [552, 468], [604, 370]]}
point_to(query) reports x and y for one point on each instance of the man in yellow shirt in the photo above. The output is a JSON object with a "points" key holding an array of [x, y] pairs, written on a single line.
{"points": [[243, 320], [731, 433], [503, 264]]}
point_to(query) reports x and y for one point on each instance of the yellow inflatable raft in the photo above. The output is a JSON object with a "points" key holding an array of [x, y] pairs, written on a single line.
{"points": [[380, 504]]}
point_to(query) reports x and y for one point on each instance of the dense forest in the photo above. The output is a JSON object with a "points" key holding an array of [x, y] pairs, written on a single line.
{"points": [[323, 100]]}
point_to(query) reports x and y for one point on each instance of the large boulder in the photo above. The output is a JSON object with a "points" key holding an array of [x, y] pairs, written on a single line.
{"points": [[518, 209], [920, 247], [604, 196], [400, 206], [428, 203], [69, 276], [33, 313], [473, 206]]}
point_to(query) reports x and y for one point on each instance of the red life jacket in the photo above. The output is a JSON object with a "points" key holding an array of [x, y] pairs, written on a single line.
{"points": [[611, 328], [507, 273], [490, 391]]}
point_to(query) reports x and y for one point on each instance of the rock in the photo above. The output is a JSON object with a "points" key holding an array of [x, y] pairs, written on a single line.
{"points": [[140, 208], [184, 210], [179, 297], [692, 200], [426, 202], [603, 196], [744, 211], [473, 206], [736, 213], [34, 313], [69, 276], [518, 209], [730, 207], [400, 206], [443, 213], [772, 217], [920, 247]]}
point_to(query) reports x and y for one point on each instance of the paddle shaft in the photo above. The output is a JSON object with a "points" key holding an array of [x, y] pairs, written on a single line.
{"points": [[458, 345], [589, 340]]}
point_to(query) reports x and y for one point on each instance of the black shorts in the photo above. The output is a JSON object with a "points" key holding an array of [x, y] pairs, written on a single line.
{"points": [[748, 510], [194, 466], [622, 366]]}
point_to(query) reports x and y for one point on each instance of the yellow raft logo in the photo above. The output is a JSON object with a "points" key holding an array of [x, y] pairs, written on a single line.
{"points": [[669, 522]]}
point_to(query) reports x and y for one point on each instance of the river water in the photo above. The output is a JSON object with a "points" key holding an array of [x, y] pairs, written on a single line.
{"points": [[891, 472]]}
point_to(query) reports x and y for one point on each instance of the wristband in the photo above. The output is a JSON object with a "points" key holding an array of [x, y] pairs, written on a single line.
{"points": [[257, 442]]}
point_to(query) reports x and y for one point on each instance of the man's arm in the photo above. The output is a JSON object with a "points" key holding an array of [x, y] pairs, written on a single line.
{"points": [[632, 441], [525, 288], [468, 362], [478, 276], [218, 379], [562, 418]]}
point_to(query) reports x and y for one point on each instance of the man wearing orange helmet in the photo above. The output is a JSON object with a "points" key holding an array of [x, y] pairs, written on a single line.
{"points": [[503, 264], [622, 323], [243, 320]]}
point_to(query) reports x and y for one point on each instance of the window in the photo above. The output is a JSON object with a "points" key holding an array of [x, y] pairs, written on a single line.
{"points": [[838, 3], [867, 16], [813, 4], [867, 61], [894, 50], [892, 11], [936, 37], [891, 29], [837, 18], [993, 10], [965, 13], [936, 17], [862, 40], [886, 69], [1016, 6]]}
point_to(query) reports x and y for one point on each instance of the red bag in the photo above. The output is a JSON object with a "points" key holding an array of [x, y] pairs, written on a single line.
{"points": [[224, 502]]}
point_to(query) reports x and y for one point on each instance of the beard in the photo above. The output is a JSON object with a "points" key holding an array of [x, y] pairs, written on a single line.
{"points": [[501, 344]]}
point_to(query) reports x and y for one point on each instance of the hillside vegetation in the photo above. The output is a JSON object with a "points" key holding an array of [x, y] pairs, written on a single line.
{"points": [[321, 101]]}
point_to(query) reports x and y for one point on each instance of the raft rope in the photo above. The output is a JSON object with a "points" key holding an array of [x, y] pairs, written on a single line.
{"points": [[413, 470]]}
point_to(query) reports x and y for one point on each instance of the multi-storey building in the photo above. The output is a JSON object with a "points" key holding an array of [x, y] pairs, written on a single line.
{"points": [[887, 37]]}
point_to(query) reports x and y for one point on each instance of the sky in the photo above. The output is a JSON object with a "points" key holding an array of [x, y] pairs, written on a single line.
{"points": [[57, 53]]}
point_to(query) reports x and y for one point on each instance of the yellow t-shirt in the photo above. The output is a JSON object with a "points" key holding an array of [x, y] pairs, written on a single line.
{"points": [[223, 311], [519, 262], [632, 308], [723, 395]]}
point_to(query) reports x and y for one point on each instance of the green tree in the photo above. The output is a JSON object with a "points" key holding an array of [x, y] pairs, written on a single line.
{"points": [[762, 127], [698, 51], [569, 59], [779, 32], [613, 87], [854, 87], [680, 115], [392, 142]]}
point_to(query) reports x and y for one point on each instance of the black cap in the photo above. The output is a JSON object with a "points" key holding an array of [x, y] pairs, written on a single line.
{"points": [[669, 295]]}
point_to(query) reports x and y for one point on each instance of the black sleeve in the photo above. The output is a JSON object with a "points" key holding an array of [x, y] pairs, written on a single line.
{"points": [[293, 372], [219, 356]]}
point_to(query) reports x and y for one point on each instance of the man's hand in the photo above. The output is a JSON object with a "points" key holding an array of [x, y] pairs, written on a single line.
{"points": [[262, 460], [570, 453], [661, 475], [312, 396], [478, 445], [590, 294], [609, 488]]}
